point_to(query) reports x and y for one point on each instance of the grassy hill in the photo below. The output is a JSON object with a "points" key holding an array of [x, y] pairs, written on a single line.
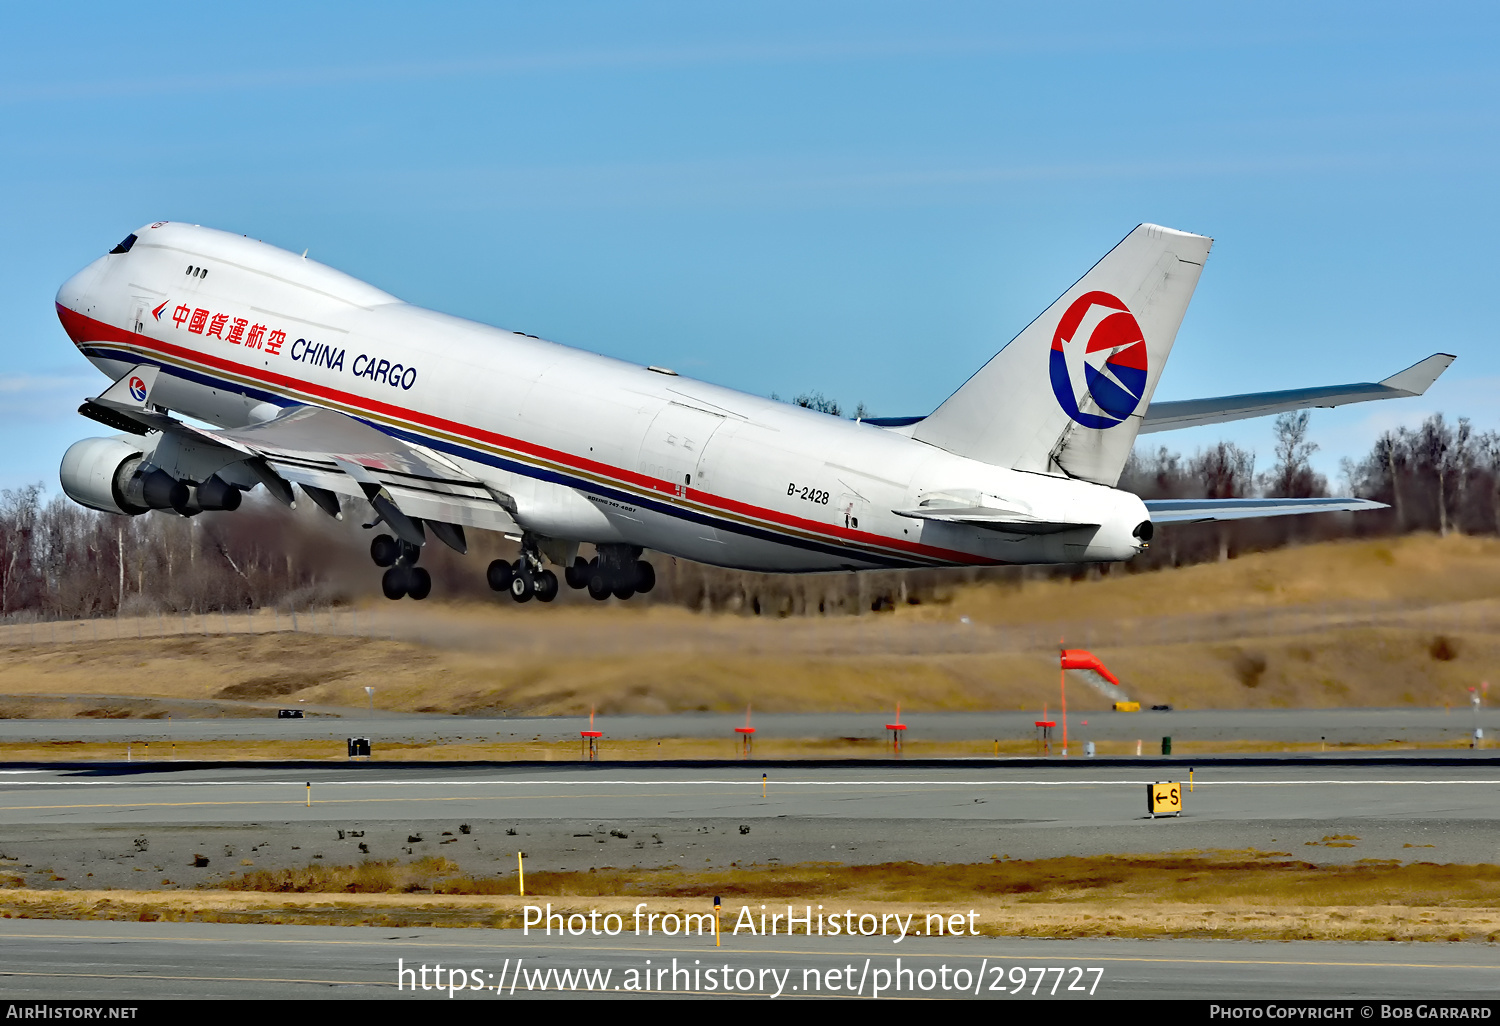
{"points": [[1356, 623]]}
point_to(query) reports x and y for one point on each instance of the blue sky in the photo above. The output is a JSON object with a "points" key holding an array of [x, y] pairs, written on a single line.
{"points": [[867, 199]]}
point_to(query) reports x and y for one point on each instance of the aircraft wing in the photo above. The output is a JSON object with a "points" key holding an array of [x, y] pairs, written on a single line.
{"points": [[324, 450], [1196, 511], [1186, 413], [1169, 416]]}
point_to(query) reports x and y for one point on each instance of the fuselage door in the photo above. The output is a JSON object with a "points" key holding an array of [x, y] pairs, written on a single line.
{"points": [[674, 444]]}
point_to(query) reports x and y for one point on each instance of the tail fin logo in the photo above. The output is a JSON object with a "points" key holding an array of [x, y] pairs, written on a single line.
{"points": [[1099, 343]]}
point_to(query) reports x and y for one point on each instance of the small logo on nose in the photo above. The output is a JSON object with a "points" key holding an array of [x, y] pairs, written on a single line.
{"points": [[157, 312]]}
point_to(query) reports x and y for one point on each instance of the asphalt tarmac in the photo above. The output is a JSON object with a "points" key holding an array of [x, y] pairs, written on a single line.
{"points": [[100, 828], [122, 961], [1358, 726]]}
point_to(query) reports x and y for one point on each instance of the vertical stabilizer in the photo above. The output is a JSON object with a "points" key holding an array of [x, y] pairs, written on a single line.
{"points": [[1068, 393]]}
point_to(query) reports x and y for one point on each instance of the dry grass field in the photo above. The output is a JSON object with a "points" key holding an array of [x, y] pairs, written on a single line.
{"points": [[1413, 621], [1244, 895]]}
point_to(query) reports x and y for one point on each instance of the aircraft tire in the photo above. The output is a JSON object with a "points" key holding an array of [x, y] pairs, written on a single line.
{"points": [[419, 583], [521, 588], [624, 593], [645, 576], [410, 553], [393, 583], [545, 586], [499, 575], [598, 589], [577, 575], [384, 550]]}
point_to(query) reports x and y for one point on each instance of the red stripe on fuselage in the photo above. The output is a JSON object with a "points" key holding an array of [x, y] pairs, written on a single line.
{"points": [[83, 329]]}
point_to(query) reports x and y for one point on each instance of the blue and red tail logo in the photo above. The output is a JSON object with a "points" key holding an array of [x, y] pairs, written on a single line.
{"points": [[137, 389], [1098, 343]]}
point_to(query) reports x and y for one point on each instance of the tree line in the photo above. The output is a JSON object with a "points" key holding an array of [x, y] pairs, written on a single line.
{"points": [[60, 560]]}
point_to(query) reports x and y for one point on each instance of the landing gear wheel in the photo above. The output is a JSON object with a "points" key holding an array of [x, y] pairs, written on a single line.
{"points": [[545, 585], [499, 575], [410, 553], [521, 588], [579, 573], [598, 589], [645, 576], [393, 582], [419, 583], [384, 550], [624, 593]]}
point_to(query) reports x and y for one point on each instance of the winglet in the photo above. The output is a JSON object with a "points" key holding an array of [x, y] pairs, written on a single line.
{"points": [[134, 387], [1417, 378]]}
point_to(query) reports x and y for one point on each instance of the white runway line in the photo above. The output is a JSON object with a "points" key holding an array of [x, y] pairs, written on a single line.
{"points": [[723, 783]]}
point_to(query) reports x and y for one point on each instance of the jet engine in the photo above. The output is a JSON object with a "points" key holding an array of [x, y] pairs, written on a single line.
{"points": [[111, 475], [99, 473]]}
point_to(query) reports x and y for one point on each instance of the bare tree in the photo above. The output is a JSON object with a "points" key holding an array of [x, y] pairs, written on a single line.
{"points": [[1293, 476], [819, 402], [1434, 447], [1224, 471]]}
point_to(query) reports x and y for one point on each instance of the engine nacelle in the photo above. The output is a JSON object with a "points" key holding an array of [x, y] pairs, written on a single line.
{"points": [[110, 475], [97, 473]]}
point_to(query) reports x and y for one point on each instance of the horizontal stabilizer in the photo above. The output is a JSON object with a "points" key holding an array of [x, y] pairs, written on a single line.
{"points": [[1415, 380], [1195, 511], [123, 405], [989, 517], [133, 389]]}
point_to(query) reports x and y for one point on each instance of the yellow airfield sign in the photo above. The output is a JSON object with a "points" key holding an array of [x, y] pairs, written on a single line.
{"points": [[1164, 799]]}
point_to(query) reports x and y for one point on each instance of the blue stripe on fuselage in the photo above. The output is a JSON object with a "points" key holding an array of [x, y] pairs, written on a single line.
{"points": [[524, 469]]}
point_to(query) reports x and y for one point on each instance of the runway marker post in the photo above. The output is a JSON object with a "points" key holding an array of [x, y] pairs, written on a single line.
{"points": [[521, 874], [309, 794], [716, 920], [897, 730], [746, 736], [590, 739], [1044, 732], [762, 785]]}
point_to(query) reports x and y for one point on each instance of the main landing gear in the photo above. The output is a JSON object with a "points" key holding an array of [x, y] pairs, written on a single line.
{"points": [[526, 578], [404, 578], [617, 570]]}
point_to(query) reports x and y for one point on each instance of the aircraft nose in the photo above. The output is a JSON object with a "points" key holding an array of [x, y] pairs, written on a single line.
{"points": [[75, 290]]}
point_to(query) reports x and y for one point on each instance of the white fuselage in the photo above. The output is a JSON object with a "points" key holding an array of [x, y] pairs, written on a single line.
{"points": [[592, 449]]}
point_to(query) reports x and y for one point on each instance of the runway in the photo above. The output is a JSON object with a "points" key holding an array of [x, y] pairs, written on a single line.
{"points": [[1062, 795], [1336, 726], [127, 961], [576, 816]]}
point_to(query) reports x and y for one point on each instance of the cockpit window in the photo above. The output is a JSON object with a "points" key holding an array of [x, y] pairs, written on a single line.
{"points": [[124, 246]]}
